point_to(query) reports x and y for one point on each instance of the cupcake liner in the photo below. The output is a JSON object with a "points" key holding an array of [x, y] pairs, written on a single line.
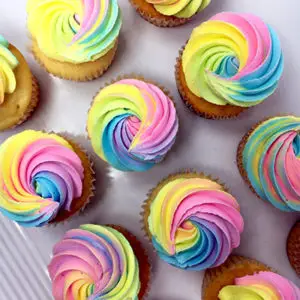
{"points": [[239, 158], [148, 13], [138, 77], [75, 72], [143, 260], [153, 193], [235, 266], [79, 204], [293, 247], [198, 105]]}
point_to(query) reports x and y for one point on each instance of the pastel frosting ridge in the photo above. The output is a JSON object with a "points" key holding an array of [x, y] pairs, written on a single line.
{"points": [[8, 63], [233, 59], [94, 262], [132, 124], [271, 159], [194, 223], [179, 8], [261, 286], [40, 174], [74, 31]]}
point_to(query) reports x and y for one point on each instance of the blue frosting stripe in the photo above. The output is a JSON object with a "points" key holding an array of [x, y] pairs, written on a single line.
{"points": [[201, 255], [106, 34], [3, 41], [116, 151]]}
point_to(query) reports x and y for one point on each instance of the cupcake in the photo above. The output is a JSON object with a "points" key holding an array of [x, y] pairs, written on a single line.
{"points": [[192, 221], [293, 247], [75, 40], [165, 13], [132, 124], [44, 178], [19, 90], [268, 160], [230, 63], [243, 278], [99, 262]]}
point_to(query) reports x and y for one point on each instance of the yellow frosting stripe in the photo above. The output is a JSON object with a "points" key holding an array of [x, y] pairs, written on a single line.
{"points": [[167, 201], [74, 31], [179, 8], [260, 286], [207, 40], [8, 62], [239, 293], [125, 98]]}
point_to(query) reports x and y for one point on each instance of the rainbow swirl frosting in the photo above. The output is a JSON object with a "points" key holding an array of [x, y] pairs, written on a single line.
{"points": [[8, 62], [193, 222], [40, 174], [233, 59], [179, 8], [74, 31], [261, 286], [94, 262], [271, 159], [132, 124]]}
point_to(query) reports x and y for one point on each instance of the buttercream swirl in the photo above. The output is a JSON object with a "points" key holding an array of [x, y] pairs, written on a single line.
{"points": [[8, 62], [94, 262], [271, 159], [233, 59], [74, 31], [39, 174], [132, 124], [261, 286], [194, 223], [179, 8]]}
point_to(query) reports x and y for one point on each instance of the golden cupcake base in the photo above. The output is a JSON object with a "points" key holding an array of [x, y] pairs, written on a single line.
{"points": [[76, 72]]}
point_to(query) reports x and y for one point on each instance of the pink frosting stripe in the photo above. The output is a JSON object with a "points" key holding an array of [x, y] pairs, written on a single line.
{"points": [[213, 209], [157, 126], [286, 289], [91, 13], [110, 277], [256, 33], [292, 166]]}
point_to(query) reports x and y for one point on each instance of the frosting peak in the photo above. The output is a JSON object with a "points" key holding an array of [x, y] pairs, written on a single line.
{"points": [[180, 8], [8, 62], [94, 262], [39, 174], [194, 223], [132, 124], [233, 59], [74, 31], [261, 286]]}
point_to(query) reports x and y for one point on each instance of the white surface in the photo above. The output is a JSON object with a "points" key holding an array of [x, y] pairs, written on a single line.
{"points": [[208, 146]]}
